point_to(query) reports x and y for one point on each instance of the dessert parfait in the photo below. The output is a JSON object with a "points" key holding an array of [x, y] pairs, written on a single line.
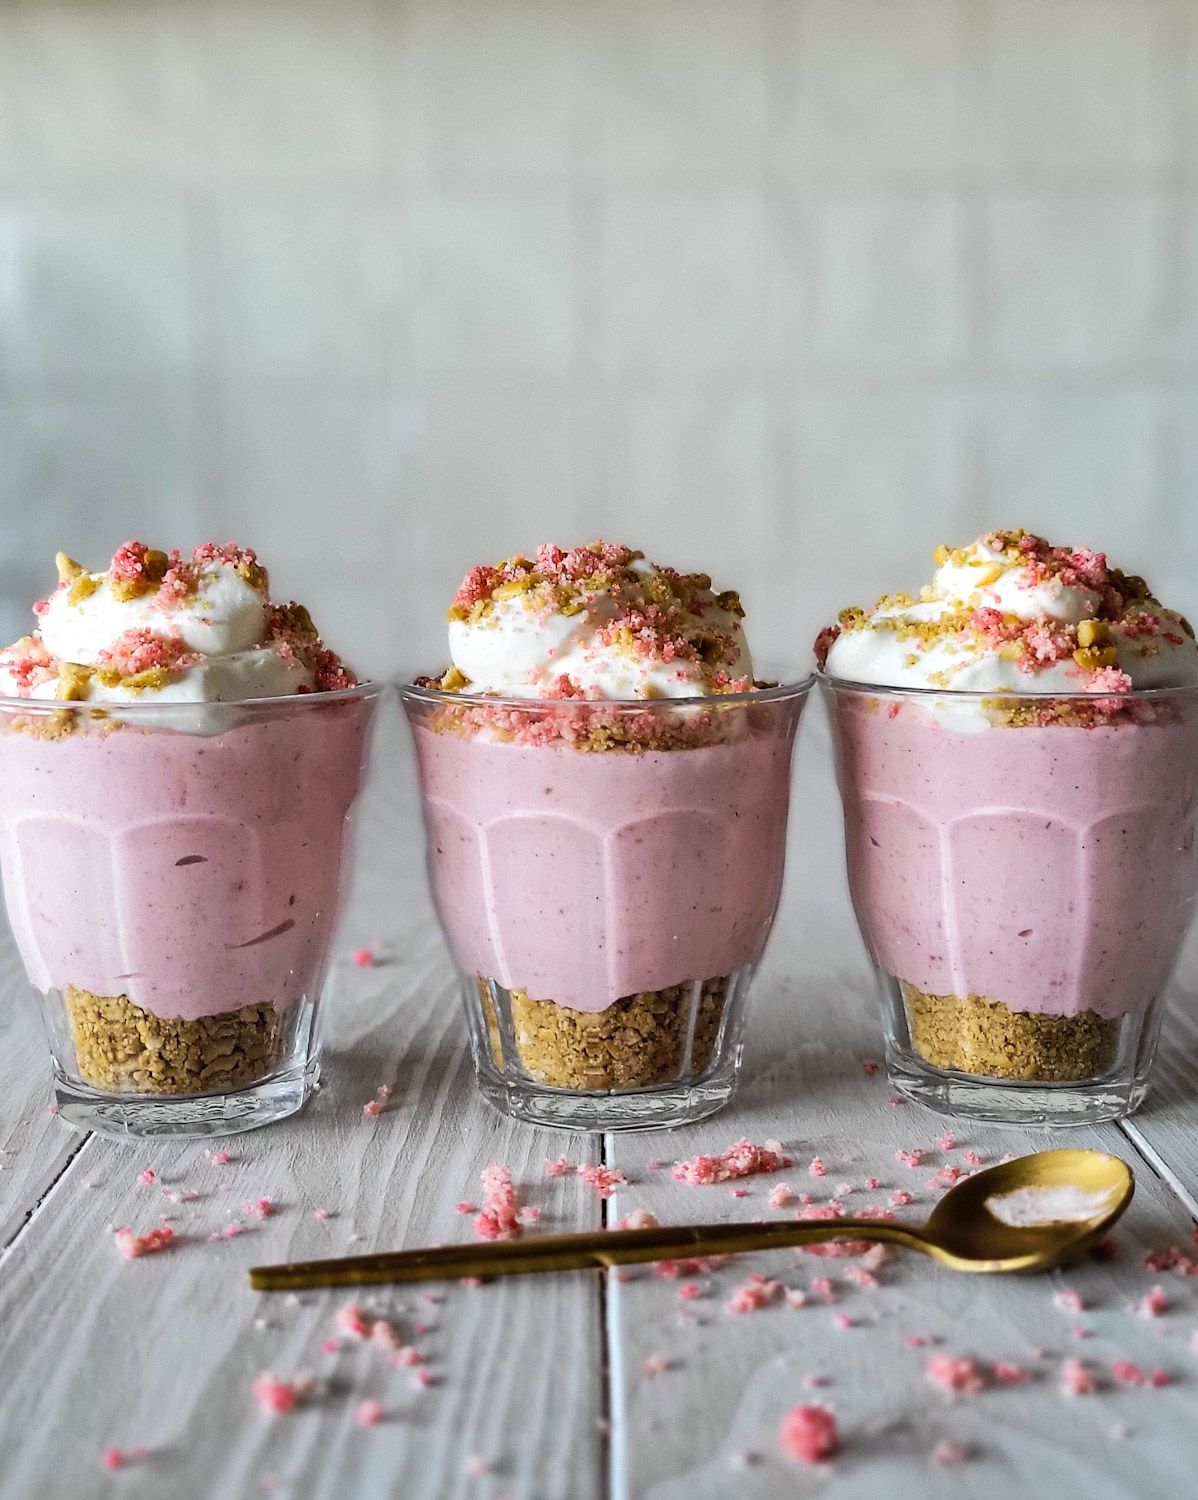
{"points": [[605, 795], [178, 759], [1018, 759]]}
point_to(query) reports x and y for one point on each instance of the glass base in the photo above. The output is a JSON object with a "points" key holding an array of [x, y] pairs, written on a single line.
{"points": [[1113, 1056], [142, 1115], [650, 1061]]}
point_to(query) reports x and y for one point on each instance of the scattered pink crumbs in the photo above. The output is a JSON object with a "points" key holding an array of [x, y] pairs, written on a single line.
{"points": [[656, 1364], [742, 1159], [605, 1180], [1076, 1379], [947, 1452], [817, 1168], [780, 1196], [870, 1069], [369, 1413], [955, 1373], [559, 1168], [133, 1245], [901, 1198], [639, 1218], [1069, 1300], [1006, 1373], [1153, 1304], [280, 1396], [371, 1108], [1129, 1374], [499, 1217], [808, 1434], [909, 1158], [149, 1175], [364, 958], [755, 1294], [117, 1458], [221, 1158], [350, 1319], [947, 1141], [259, 1208]]}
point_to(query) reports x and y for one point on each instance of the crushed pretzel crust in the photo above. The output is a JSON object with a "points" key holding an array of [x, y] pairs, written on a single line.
{"points": [[638, 1042], [1124, 601], [973, 1034], [121, 1048]]}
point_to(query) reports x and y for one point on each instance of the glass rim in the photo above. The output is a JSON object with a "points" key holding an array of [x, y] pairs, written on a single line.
{"points": [[138, 708], [776, 692], [989, 695]]}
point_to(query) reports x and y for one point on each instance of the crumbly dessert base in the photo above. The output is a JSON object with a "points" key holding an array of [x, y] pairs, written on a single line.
{"points": [[636, 1043], [977, 1035], [123, 1049]]}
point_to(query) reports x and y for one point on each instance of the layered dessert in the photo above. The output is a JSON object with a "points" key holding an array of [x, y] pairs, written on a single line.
{"points": [[1018, 756], [178, 756], [605, 790]]}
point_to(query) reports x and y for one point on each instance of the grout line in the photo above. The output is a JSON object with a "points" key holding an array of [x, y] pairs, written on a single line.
{"points": [[1159, 1165], [31, 1213]]}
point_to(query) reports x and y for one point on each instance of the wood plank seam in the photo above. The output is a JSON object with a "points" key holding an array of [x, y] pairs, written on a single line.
{"points": [[10, 1244]]}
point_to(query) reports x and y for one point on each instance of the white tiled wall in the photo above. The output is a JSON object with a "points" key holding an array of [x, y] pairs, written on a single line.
{"points": [[791, 290]]}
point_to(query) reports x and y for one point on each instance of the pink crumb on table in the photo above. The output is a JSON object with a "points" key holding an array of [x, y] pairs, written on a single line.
{"points": [[364, 958], [653, 1164], [822, 1287], [369, 1413], [871, 1183], [465, 1208], [383, 1334], [948, 1452], [1153, 1304], [870, 1068], [955, 1373], [639, 1218], [1128, 1373], [808, 1434], [149, 1175], [972, 1158], [350, 1319], [604, 1180], [738, 1192], [528, 1214], [780, 1196], [689, 1291], [742, 1159], [51, 1109], [1076, 1380], [499, 1217], [134, 1245], [817, 1168], [220, 1158], [407, 1357], [330, 1346], [859, 1276], [656, 1364], [558, 1168], [259, 1208], [1069, 1299], [280, 1396], [421, 1377], [842, 1320], [909, 1158], [918, 1340], [755, 1294], [947, 1141], [477, 1467], [1006, 1373], [900, 1198], [371, 1108]]}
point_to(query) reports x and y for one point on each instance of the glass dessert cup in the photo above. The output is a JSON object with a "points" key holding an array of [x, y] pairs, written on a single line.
{"points": [[172, 874], [607, 874], [1023, 872]]}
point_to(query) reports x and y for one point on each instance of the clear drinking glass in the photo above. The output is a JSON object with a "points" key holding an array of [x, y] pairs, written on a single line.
{"points": [[172, 874], [607, 875], [1023, 872]]}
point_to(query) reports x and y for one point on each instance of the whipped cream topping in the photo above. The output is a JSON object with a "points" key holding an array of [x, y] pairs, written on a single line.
{"points": [[598, 623], [165, 628], [1013, 614]]}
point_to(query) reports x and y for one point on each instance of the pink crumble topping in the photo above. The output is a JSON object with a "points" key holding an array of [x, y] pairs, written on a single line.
{"points": [[604, 1180], [1009, 1374], [639, 1218], [149, 1175], [1076, 1379], [559, 1168], [780, 1196], [870, 1069], [407, 1357], [918, 1340], [859, 1276], [742, 1159], [364, 958], [808, 1434], [465, 1208], [330, 1346], [948, 1452], [955, 1373], [1153, 1304], [1127, 1373], [371, 1108], [947, 1141], [817, 1168], [221, 1158], [421, 1378], [499, 1218], [369, 1413], [842, 1320], [755, 1294], [973, 1159], [1069, 1299], [656, 1364], [693, 1265], [901, 1198], [689, 1291], [134, 1245], [871, 1183], [909, 1158], [259, 1208], [823, 1288], [383, 1334]]}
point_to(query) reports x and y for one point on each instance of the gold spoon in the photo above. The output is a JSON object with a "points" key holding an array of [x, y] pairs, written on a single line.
{"points": [[1062, 1202]]}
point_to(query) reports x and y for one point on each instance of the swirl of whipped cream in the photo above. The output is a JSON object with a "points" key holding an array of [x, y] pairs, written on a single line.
{"points": [[595, 622], [168, 629], [1012, 614]]}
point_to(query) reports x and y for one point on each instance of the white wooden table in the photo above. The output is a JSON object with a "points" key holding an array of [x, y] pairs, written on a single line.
{"points": [[539, 1388]]}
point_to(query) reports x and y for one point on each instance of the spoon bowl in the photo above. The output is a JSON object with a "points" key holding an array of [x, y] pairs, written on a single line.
{"points": [[1027, 1214]]}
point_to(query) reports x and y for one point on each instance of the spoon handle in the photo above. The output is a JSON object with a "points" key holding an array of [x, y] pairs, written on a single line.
{"points": [[594, 1250]]}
